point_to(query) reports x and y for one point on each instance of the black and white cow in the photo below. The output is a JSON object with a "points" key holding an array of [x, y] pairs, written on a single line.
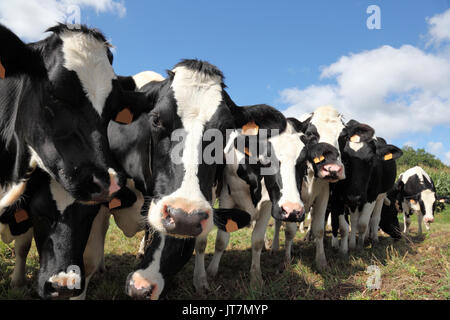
{"points": [[371, 171], [417, 194], [58, 118], [327, 124]]}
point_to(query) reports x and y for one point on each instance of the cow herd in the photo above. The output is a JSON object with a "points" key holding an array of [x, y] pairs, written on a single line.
{"points": [[175, 157]]}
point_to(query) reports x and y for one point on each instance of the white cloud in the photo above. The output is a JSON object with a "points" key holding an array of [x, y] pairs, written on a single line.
{"points": [[30, 18], [439, 28], [396, 90], [435, 147], [411, 144]]}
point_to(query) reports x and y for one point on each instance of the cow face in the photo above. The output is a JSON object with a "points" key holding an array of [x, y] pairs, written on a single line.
{"points": [[65, 106], [281, 160], [325, 123], [361, 153], [188, 106], [418, 193]]}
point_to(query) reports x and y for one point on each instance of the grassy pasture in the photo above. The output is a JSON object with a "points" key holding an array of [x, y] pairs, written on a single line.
{"points": [[412, 268]]}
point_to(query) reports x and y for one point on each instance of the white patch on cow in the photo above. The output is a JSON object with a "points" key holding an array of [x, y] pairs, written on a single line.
{"points": [[153, 273], [198, 96], [329, 125], [355, 146], [415, 171], [144, 77], [87, 56], [429, 198], [288, 158], [62, 198], [35, 160]]}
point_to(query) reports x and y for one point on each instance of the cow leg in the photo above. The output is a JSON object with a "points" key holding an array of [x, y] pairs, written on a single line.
{"points": [[335, 219], [406, 222], [94, 253], [318, 230], [276, 236], [375, 219], [222, 240], [21, 247], [419, 223], [291, 228], [363, 223], [200, 280], [343, 229], [258, 243], [354, 217], [309, 234], [141, 250]]}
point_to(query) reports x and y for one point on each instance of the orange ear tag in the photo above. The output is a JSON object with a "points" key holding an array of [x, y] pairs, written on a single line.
{"points": [[247, 152], [21, 215], [412, 201], [114, 203], [2, 71], [231, 226], [355, 138], [389, 156], [250, 129], [125, 116], [319, 159]]}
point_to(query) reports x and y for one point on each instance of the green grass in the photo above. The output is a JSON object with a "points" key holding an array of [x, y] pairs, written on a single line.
{"points": [[411, 268]]}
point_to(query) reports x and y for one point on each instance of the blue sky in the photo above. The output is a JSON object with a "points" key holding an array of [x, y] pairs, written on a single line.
{"points": [[267, 47]]}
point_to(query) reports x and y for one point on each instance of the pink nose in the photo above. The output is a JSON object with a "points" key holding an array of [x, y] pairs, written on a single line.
{"points": [[428, 219], [113, 187], [290, 207], [333, 168]]}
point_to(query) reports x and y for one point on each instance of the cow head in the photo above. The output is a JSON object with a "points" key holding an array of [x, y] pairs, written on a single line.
{"points": [[190, 110], [417, 193], [326, 123], [361, 152], [58, 96]]}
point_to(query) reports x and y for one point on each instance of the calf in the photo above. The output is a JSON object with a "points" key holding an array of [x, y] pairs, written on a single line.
{"points": [[417, 194], [327, 124], [371, 170]]}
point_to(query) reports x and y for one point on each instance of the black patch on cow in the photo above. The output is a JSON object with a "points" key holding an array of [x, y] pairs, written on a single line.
{"points": [[250, 174]]}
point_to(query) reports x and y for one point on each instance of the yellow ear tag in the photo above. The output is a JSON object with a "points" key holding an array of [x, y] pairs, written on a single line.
{"points": [[231, 226], [2, 71], [389, 156], [250, 129], [355, 138], [21, 215], [319, 159], [125, 116]]}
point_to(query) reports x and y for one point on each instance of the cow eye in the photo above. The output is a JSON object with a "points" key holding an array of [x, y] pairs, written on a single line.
{"points": [[155, 120]]}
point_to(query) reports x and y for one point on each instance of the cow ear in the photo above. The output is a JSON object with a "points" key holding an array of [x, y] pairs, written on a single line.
{"points": [[230, 220], [388, 152], [133, 105], [16, 58], [359, 132]]}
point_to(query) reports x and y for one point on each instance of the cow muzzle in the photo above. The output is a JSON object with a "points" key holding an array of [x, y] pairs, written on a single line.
{"points": [[332, 172], [139, 288], [107, 191], [292, 212]]}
